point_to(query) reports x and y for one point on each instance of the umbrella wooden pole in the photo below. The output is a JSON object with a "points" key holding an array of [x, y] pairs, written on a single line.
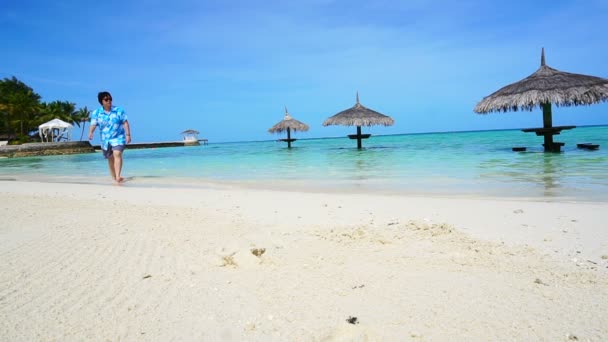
{"points": [[359, 137], [288, 137], [548, 123], [547, 119]]}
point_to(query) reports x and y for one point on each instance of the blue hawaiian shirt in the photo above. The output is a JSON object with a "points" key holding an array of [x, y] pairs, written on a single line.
{"points": [[110, 126]]}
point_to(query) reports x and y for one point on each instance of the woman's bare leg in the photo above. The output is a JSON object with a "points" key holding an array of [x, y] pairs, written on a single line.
{"points": [[111, 165], [117, 157]]}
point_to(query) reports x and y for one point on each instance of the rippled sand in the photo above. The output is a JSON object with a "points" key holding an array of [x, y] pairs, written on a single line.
{"points": [[96, 262]]}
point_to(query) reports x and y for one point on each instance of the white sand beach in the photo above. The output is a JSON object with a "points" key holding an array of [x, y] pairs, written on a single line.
{"points": [[103, 262]]}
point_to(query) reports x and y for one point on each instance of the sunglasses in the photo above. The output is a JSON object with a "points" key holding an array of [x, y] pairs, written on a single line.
{"points": [[107, 99]]}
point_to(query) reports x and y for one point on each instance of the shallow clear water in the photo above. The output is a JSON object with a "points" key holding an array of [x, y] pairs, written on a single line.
{"points": [[460, 163]]}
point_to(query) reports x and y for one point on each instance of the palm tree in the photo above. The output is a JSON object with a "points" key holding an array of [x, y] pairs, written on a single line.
{"points": [[82, 116], [62, 110], [18, 104]]}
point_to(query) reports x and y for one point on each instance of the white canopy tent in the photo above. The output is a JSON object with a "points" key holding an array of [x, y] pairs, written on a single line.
{"points": [[55, 130]]}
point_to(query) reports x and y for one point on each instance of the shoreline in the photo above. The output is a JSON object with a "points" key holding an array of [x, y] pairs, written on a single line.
{"points": [[360, 187], [95, 261]]}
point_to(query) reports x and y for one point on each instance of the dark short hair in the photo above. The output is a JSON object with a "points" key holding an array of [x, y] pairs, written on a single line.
{"points": [[102, 95]]}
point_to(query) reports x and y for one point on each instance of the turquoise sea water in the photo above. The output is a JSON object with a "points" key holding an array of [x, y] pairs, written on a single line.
{"points": [[452, 164]]}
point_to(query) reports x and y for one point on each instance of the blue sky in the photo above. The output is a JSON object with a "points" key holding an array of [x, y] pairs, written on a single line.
{"points": [[228, 68]]}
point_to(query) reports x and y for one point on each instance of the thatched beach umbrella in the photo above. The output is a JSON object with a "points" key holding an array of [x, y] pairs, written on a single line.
{"points": [[288, 124], [359, 115], [541, 89]]}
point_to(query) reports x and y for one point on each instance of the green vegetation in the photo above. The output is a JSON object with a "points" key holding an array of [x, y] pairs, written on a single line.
{"points": [[21, 112]]}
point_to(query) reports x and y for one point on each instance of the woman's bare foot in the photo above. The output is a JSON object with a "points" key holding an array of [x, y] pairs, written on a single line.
{"points": [[119, 181]]}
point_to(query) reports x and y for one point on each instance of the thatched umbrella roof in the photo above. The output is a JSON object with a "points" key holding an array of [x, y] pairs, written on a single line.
{"points": [[288, 123], [546, 86], [359, 115]]}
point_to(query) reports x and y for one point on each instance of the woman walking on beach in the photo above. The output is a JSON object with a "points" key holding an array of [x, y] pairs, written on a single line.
{"points": [[115, 132]]}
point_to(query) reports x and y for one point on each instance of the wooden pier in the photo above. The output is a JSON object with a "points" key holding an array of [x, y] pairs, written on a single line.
{"points": [[76, 147], [153, 145]]}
